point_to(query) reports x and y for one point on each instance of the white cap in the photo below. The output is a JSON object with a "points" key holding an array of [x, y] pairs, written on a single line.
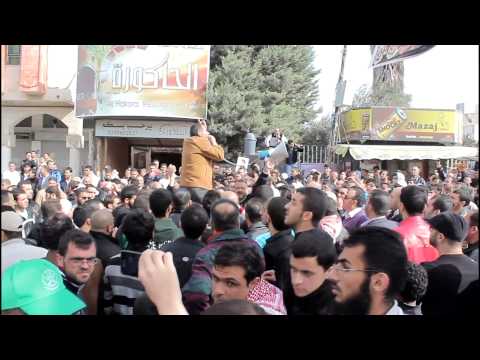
{"points": [[11, 221]]}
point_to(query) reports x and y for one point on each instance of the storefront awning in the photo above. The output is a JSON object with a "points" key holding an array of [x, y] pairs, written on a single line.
{"points": [[407, 152]]}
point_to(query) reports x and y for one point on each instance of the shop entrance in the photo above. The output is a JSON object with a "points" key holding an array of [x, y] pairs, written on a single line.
{"points": [[143, 156], [140, 157], [175, 158], [120, 153]]}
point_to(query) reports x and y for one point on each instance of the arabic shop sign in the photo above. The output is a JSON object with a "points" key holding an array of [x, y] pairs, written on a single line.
{"points": [[142, 129], [142, 80]]}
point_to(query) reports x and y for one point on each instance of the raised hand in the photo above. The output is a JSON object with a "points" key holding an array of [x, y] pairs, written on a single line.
{"points": [[269, 165], [158, 275], [202, 123]]}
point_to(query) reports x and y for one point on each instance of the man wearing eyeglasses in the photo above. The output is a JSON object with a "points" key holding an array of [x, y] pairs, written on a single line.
{"points": [[76, 257], [353, 204], [370, 271]]}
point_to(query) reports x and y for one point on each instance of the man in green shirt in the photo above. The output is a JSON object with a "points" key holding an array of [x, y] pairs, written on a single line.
{"points": [[161, 204]]}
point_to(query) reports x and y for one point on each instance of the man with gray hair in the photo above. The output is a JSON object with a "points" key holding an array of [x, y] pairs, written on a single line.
{"points": [[416, 179], [377, 208]]}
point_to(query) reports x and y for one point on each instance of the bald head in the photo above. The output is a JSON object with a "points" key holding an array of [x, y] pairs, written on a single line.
{"points": [[225, 215], [230, 195], [154, 185], [102, 221]]}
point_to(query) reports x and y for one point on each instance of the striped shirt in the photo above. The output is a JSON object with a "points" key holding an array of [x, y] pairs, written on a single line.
{"points": [[120, 291]]}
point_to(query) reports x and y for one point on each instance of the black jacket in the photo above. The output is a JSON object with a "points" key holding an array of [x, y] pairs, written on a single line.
{"points": [[317, 303], [397, 218], [107, 246], [442, 174], [35, 234], [184, 251], [277, 256], [449, 277], [293, 153]]}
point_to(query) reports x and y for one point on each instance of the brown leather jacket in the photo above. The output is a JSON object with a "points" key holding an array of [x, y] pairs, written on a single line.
{"points": [[197, 162]]}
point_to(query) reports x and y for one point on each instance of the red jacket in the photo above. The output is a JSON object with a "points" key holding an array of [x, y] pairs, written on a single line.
{"points": [[416, 237]]}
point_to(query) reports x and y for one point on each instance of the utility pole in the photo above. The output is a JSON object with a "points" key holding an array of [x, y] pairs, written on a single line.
{"points": [[339, 93]]}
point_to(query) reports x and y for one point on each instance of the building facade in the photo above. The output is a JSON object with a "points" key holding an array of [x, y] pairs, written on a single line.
{"points": [[54, 99], [37, 106], [395, 138]]}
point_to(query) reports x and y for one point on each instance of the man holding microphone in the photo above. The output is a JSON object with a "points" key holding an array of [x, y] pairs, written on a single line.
{"points": [[200, 150]]}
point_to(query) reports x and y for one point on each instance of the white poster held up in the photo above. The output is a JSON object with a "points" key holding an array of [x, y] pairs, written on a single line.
{"points": [[242, 162]]}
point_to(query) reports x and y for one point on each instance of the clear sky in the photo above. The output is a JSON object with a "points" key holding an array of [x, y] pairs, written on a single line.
{"points": [[440, 78]]}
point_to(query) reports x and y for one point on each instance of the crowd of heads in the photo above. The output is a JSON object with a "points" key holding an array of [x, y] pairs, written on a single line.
{"points": [[366, 271]]}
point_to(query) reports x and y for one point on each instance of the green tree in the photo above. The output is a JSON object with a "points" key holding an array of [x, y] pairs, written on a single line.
{"points": [[289, 87], [259, 88], [234, 101], [316, 133]]}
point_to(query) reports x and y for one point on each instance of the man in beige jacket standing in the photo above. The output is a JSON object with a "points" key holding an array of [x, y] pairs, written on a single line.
{"points": [[200, 150]]}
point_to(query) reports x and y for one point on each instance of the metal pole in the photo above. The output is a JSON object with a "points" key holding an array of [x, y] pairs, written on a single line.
{"points": [[333, 136]]}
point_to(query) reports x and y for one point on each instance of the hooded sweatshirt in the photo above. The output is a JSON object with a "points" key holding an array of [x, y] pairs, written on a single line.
{"points": [[165, 231]]}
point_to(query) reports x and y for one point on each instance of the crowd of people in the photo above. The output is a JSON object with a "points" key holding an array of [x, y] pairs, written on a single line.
{"points": [[211, 240]]}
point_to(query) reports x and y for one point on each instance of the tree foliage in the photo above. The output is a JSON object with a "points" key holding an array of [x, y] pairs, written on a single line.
{"points": [[382, 95], [259, 88], [317, 133]]}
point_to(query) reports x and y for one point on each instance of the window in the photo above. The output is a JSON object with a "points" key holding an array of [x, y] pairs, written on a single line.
{"points": [[25, 122], [13, 54], [50, 122]]}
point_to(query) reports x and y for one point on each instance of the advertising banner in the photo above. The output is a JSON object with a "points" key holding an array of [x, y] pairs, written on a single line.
{"points": [[413, 125], [389, 54], [399, 124], [142, 80], [356, 124]]}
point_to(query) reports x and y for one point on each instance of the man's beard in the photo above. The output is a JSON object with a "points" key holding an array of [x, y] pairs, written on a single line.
{"points": [[358, 305]]}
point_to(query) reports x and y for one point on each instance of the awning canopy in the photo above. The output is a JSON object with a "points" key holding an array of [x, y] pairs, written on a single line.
{"points": [[407, 152]]}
